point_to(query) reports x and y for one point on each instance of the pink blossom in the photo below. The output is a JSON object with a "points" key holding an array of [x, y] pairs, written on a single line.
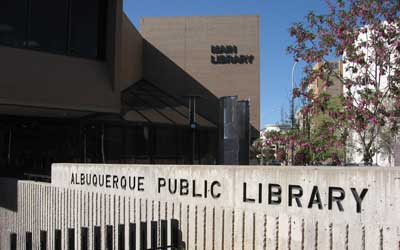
{"points": [[373, 120]]}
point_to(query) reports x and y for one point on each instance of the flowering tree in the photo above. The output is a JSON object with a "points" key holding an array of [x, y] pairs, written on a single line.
{"points": [[272, 145], [327, 137], [365, 34]]}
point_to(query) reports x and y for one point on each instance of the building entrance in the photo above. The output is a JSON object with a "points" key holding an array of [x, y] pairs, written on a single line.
{"points": [[29, 145]]}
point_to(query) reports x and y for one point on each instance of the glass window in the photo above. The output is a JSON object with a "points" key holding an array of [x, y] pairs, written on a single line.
{"points": [[166, 144], [70, 27], [4, 144], [49, 27], [113, 144], [207, 146], [88, 28], [93, 143], [13, 22], [142, 140]]}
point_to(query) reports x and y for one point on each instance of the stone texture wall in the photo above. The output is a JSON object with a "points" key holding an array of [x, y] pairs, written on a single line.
{"points": [[187, 41], [215, 207]]}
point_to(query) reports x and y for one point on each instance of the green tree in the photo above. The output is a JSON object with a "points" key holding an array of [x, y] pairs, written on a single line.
{"points": [[325, 134], [366, 35]]}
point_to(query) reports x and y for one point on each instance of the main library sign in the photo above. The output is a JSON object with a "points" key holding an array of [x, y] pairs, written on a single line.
{"points": [[228, 54], [249, 191]]}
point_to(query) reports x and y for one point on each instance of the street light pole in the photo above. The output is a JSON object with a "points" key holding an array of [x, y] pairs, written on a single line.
{"points": [[292, 109], [192, 123]]}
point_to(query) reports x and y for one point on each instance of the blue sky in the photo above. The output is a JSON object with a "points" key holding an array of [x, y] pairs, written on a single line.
{"points": [[276, 16]]}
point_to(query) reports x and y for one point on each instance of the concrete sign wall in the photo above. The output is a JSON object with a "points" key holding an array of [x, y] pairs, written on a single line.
{"points": [[215, 207]]}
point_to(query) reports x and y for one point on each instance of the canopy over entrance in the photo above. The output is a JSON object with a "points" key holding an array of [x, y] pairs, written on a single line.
{"points": [[153, 127], [145, 102]]}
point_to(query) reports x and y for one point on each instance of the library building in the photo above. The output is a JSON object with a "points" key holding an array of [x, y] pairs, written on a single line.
{"points": [[79, 83], [116, 137]]}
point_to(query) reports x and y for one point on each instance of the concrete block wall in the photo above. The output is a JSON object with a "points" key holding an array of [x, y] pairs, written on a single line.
{"points": [[217, 207], [186, 41]]}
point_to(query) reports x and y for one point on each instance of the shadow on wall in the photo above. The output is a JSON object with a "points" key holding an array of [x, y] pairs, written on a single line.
{"points": [[158, 237], [176, 236], [9, 194], [165, 74]]}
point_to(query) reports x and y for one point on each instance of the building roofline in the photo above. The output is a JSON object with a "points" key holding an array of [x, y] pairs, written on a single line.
{"points": [[222, 15]]}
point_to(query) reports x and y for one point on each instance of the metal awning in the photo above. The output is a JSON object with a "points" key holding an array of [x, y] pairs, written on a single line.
{"points": [[145, 102]]}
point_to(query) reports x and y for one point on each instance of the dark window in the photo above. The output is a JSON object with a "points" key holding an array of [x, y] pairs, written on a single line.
{"points": [[207, 146], [49, 25], [88, 28], [4, 145], [31, 145], [166, 144], [93, 143], [142, 138], [71, 27], [13, 22], [113, 141]]}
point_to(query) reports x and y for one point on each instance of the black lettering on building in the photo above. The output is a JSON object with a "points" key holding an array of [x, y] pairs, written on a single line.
{"points": [[336, 198], [213, 60], [228, 54], [245, 199], [235, 49], [184, 187], [315, 198], [295, 192], [161, 183], [101, 180], [108, 181], [95, 180], [132, 182], [140, 183], [123, 182], [115, 181], [194, 189], [205, 189], [88, 179], [172, 187], [82, 179], [251, 59], [72, 179], [359, 198], [274, 194], [213, 193]]}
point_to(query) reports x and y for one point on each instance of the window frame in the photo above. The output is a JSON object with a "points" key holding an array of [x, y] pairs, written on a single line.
{"points": [[101, 40]]}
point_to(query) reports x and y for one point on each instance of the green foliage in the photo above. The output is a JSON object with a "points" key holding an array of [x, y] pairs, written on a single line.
{"points": [[365, 35]]}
